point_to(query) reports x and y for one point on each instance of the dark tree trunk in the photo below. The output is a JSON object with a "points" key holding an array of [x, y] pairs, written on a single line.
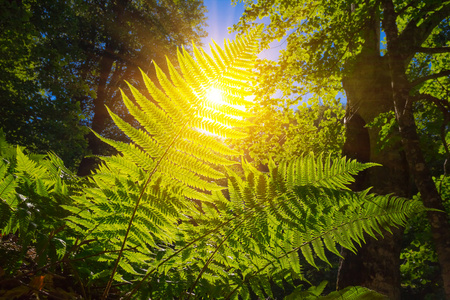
{"points": [[398, 56], [376, 266], [100, 116], [377, 263], [106, 80]]}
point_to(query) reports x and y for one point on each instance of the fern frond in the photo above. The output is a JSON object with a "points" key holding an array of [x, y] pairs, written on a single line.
{"points": [[25, 164], [355, 292], [277, 221], [143, 139], [183, 117], [143, 198], [337, 173], [133, 153], [124, 166], [173, 146]]}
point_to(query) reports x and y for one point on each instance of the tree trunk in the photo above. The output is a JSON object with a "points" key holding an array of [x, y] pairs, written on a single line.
{"points": [[110, 55], [100, 116], [440, 228], [377, 263]]}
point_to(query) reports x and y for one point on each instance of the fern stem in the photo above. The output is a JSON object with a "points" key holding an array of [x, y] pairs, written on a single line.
{"points": [[249, 212], [211, 257], [138, 285], [77, 275], [298, 248], [130, 223]]}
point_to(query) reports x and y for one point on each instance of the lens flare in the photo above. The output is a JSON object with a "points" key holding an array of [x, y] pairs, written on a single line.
{"points": [[214, 96]]}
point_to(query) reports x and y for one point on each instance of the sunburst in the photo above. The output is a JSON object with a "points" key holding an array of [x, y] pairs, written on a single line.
{"points": [[215, 96]]}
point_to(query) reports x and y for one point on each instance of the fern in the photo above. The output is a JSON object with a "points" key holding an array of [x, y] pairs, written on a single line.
{"points": [[32, 190], [354, 292], [139, 217], [270, 229], [174, 155], [349, 293], [172, 140]]}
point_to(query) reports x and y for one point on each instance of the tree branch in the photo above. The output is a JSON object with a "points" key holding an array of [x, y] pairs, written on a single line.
{"points": [[444, 106], [413, 36], [433, 50], [411, 4], [428, 77]]}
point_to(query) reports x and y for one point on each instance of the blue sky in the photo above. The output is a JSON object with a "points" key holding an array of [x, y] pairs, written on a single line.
{"points": [[222, 15]]}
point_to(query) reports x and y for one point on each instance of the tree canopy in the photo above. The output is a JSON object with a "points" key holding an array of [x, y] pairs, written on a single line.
{"points": [[63, 61], [151, 222], [186, 196], [388, 56]]}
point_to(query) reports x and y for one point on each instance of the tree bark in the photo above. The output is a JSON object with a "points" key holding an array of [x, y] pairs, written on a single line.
{"points": [[99, 119], [377, 263], [403, 102]]}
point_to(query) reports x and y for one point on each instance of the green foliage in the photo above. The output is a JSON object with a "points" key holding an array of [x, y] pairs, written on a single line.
{"points": [[386, 124], [153, 219], [315, 54], [38, 82], [354, 292], [420, 269], [285, 133], [296, 113], [325, 39], [351, 292], [434, 131], [271, 223], [62, 61], [33, 189]]}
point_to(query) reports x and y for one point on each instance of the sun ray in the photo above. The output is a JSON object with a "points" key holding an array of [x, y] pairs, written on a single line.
{"points": [[214, 95]]}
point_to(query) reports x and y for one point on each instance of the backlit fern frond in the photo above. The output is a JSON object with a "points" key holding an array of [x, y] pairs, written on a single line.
{"points": [[178, 120], [320, 171], [136, 199], [273, 224], [137, 212]]}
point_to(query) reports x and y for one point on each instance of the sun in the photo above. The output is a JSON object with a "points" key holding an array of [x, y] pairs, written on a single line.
{"points": [[214, 96]]}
